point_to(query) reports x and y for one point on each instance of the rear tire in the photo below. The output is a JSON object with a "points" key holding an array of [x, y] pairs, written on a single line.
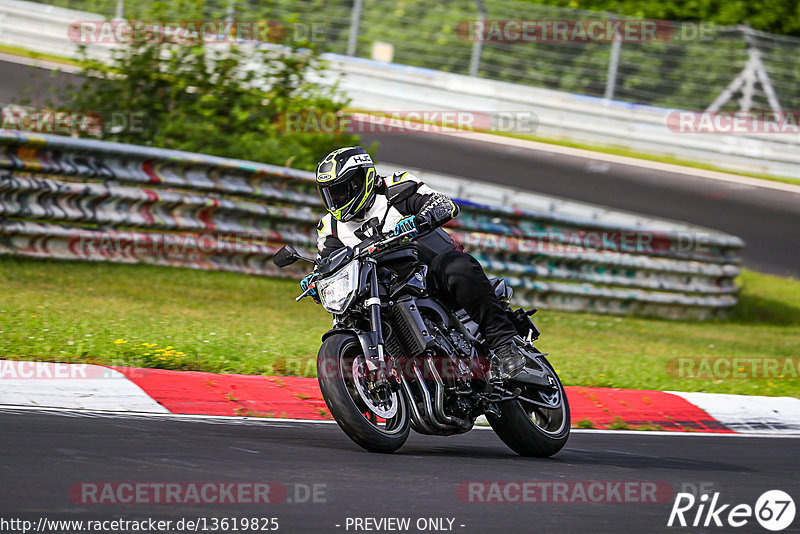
{"points": [[530, 430], [337, 382]]}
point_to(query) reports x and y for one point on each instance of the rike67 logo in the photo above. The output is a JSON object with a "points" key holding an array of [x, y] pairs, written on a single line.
{"points": [[774, 510]]}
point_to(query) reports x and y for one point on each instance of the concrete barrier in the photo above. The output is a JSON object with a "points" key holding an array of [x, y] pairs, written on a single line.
{"points": [[70, 198]]}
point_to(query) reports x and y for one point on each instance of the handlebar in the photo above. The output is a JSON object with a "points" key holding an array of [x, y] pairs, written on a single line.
{"points": [[304, 293], [386, 239]]}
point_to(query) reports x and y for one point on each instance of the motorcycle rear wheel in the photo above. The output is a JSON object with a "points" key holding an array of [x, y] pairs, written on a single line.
{"points": [[530, 429], [338, 363]]}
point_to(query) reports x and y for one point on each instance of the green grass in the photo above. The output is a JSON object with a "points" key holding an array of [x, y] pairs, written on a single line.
{"points": [[660, 158], [633, 352], [224, 322], [22, 52], [221, 322]]}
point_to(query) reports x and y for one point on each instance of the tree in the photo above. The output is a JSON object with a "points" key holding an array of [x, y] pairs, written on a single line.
{"points": [[216, 98]]}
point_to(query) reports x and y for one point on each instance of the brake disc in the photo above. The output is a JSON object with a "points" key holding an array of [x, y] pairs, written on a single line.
{"points": [[385, 409]]}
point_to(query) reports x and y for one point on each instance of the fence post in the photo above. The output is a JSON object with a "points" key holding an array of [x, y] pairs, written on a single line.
{"points": [[120, 14], [355, 22], [230, 12], [613, 65], [477, 44], [745, 82]]}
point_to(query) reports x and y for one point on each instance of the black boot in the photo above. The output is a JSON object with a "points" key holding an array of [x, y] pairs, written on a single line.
{"points": [[511, 361]]}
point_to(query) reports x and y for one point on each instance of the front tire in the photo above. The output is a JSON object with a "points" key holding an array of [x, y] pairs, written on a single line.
{"points": [[339, 359], [529, 429]]}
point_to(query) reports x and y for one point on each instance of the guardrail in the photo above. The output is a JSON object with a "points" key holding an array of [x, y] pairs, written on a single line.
{"points": [[384, 86], [393, 87], [70, 198]]}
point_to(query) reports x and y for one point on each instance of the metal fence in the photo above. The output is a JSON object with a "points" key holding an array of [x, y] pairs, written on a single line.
{"points": [[378, 85], [691, 65], [82, 199]]}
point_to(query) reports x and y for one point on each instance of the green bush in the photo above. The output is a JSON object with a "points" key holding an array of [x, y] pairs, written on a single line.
{"points": [[218, 99]]}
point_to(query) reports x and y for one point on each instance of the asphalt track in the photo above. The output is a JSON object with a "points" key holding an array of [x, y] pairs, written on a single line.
{"points": [[44, 453], [767, 220]]}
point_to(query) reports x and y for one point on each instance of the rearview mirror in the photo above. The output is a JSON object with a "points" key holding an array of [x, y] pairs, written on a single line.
{"points": [[286, 256]]}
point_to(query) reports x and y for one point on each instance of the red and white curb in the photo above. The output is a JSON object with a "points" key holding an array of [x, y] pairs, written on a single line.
{"points": [[749, 414], [157, 391], [73, 386]]}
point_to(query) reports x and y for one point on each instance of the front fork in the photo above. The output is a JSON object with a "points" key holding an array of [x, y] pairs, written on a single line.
{"points": [[377, 363], [374, 305]]}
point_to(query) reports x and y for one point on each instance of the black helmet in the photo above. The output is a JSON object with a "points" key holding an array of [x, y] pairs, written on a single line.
{"points": [[346, 182]]}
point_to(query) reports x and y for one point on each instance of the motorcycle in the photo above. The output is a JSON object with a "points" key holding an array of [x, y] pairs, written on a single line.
{"points": [[399, 357]]}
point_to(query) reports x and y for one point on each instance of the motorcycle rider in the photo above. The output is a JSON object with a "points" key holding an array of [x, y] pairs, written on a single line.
{"points": [[352, 193]]}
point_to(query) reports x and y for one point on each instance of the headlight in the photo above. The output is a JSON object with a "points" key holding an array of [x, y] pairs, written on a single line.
{"points": [[337, 292]]}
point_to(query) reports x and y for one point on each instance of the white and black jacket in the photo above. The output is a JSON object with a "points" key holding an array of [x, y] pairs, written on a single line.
{"points": [[428, 204]]}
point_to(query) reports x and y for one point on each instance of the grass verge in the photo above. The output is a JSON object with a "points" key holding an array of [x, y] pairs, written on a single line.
{"points": [[22, 52], [182, 319], [659, 158]]}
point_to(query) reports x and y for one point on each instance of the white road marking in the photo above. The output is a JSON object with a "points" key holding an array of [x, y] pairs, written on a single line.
{"points": [[288, 423], [39, 63]]}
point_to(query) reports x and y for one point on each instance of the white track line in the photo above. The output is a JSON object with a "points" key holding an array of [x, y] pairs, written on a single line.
{"points": [[10, 408], [39, 63], [274, 421]]}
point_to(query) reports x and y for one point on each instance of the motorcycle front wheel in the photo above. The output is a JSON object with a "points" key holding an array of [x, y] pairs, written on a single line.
{"points": [[374, 418]]}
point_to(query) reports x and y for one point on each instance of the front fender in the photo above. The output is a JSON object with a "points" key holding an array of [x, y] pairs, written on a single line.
{"points": [[368, 340]]}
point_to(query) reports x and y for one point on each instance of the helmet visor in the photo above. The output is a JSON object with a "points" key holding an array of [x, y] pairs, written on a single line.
{"points": [[337, 195]]}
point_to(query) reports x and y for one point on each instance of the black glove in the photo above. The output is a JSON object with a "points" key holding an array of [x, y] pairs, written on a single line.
{"points": [[437, 210]]}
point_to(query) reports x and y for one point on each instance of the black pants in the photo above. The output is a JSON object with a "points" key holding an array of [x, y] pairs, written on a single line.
{"points": [[464, 282]]}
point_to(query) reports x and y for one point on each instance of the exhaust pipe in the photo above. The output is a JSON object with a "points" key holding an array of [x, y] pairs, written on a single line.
{"points": [[426, 398], [439, 415], [419, 423]]}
